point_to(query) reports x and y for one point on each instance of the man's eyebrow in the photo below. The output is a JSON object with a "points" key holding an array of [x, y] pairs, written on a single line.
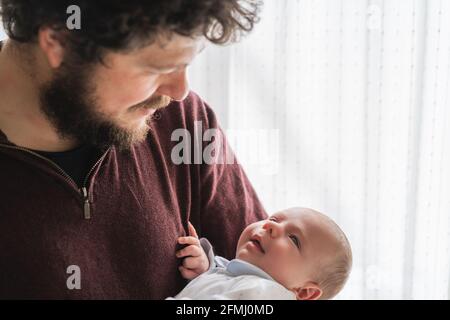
{"points": [[166, 67]]}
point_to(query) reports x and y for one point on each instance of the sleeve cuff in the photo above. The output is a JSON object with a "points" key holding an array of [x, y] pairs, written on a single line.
{"points": [[207, 247]]}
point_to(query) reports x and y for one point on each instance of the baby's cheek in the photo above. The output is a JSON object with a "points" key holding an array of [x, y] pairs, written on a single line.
{"points": [[283, 253]]}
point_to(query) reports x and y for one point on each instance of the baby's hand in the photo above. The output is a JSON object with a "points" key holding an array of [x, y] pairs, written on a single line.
{"points": [[195, 261]]}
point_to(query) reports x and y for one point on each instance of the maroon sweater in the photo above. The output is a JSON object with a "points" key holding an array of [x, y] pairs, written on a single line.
{"points": [[123, 234]]}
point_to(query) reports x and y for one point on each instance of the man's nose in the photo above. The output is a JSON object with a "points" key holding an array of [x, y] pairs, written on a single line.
{"points": [[175, 85]]}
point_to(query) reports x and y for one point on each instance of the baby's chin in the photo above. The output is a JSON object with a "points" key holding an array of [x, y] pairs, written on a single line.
{"points": [[247, 256]]}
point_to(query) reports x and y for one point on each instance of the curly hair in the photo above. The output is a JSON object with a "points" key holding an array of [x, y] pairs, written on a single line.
{"points": [[124, 25]]}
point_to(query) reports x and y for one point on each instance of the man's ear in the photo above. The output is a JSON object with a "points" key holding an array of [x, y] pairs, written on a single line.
{"points": [[50, 42], [310, 291]]}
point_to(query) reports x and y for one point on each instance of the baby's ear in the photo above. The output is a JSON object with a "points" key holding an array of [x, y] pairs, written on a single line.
{"points": [[310, 291]]}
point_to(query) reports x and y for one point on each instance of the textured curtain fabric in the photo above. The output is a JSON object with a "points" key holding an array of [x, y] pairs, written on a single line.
{"points": [[343, 106]]}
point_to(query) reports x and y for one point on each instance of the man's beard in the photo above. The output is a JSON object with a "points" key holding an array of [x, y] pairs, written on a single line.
{"points": [[68, 101]]}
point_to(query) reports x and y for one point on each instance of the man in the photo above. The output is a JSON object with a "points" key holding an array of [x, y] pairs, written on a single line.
{"points": [[91, 203]]}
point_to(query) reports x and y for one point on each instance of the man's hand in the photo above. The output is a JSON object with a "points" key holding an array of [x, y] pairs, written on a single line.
{"points": [[195, 261]]}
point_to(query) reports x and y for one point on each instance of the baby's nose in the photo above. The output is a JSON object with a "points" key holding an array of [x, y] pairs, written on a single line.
{"points": [[272, 228]]}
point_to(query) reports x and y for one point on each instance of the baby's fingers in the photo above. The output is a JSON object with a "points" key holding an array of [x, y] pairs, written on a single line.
{"points": [[189, 240], [186, 273], [192, 231], [193, 263], [192, 250]]}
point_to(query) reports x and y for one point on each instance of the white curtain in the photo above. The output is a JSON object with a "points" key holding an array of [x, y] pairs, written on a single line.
{"points": [[343, 106]]}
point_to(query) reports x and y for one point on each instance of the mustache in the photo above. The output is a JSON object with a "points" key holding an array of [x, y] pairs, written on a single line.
{"points": [[156, 103]]}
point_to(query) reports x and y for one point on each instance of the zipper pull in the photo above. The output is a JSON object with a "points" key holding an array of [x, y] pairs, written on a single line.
{"points": [[87, 205]]}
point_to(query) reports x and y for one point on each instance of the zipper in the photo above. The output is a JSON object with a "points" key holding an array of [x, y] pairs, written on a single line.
{"points": [[83, 189], [87, 205]]}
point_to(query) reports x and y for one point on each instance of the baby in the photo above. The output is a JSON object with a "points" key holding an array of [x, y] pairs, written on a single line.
{"points": [[297, 253]]}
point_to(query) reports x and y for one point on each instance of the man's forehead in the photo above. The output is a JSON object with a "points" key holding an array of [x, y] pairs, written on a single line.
{"points": [[175, 46], [180, 51]]}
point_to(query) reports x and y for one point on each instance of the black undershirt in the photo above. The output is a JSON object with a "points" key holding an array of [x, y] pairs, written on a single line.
{"points": [[76, 163]]}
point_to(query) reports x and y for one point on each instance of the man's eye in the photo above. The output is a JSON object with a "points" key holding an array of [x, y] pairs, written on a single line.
{"points": [[295, 241]]}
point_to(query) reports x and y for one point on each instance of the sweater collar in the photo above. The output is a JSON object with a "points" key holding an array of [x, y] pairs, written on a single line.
{"points": [[4, 139]]}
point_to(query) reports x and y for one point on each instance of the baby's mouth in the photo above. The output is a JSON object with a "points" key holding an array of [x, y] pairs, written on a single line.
{"points": [[257, 243]]}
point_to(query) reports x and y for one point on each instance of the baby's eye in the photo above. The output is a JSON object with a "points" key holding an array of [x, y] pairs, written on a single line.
{"points": [[273, 219], [295, 240]]}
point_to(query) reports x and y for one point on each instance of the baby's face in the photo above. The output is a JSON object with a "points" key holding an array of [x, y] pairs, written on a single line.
{"points": [[290, 245]]}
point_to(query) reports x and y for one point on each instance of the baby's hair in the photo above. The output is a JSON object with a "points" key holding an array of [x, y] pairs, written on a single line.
{"points": [[333, 276]]}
